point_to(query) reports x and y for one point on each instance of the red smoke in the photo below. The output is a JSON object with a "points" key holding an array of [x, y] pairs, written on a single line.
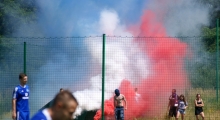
{"points": [[167, 71], [109, 110]]}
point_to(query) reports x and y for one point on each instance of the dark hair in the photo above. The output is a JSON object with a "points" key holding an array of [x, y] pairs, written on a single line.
{"points": [[22, 75], [174, 90], [117, 92], [64, 97], [198, 95], [184, 100]]}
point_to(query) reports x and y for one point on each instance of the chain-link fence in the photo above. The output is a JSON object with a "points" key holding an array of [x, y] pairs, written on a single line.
{"points": [[152, 65]]}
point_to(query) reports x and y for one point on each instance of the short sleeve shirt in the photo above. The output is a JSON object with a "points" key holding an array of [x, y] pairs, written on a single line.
{"points": [[21, 94], [173, 99], [182, 105]]}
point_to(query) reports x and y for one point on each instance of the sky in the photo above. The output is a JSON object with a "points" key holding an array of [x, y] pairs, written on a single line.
{"points": [[80, 18]]}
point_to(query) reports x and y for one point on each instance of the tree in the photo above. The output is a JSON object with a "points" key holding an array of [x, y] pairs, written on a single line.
{"points": [[209, 32], [13, 13], [209, 39], [214, 10]]}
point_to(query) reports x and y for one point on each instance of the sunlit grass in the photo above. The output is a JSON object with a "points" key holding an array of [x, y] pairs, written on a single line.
{"points": [[211, 108]]}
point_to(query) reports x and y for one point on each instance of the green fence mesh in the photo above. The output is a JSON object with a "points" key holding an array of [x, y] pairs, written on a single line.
{"points": [[154, 65]]}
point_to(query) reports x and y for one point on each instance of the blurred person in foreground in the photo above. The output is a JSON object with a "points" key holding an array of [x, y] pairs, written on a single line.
{"points": [[20, 105], [173, 104], [119, 106], [198, 107], [63, 108]]}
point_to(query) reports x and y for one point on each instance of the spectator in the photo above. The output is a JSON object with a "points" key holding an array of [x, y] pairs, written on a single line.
{"points": [[137, 95], [173, 104], [198, 107], [119, 106], [182, 105]]}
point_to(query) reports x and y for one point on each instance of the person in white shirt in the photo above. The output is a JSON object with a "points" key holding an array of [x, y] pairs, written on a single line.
{"points": [[137, 95]]}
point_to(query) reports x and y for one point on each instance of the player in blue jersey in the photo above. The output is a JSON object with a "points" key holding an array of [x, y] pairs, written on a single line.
{"points": [[20, 105], [63, 107]]}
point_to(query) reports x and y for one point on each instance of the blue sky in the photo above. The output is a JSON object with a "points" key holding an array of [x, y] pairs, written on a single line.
{"points": [[74, 18]]}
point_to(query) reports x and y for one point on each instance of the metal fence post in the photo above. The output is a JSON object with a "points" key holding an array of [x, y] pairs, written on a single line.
{"points": [[217, 58], [103, 74], [24, 57]]}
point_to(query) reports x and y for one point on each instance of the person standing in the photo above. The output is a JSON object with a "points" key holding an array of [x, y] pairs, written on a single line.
{"points": [[20, 105], [182, 105], [119, 99], [173, 104], [137, 95], [63, 108], [198, 107]]}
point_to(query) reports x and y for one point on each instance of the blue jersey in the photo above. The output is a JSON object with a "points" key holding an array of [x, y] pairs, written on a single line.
{"points": [[21, 94], [42, 115]]}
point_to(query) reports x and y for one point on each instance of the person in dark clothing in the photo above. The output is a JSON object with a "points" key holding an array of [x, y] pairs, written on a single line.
{"points": [[173, 104], [198, 107]]}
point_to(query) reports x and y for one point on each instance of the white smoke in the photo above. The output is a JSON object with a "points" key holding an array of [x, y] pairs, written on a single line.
{"points": [[182, 17], [124, 60], [110, 23]]}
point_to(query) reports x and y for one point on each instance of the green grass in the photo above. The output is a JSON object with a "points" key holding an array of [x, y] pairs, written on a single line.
{"points": [[211, 108]]}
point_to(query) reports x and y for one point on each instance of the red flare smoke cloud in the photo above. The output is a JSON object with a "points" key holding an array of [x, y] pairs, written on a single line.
{"points": [[167, 71]]}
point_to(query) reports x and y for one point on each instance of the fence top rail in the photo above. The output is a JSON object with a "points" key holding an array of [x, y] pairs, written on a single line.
{"points": [[106, 36]]}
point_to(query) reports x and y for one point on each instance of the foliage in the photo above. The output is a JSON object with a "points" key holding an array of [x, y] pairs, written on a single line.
{"points": [[209, 39], [14, 13], [214, 10], [204, 74]]}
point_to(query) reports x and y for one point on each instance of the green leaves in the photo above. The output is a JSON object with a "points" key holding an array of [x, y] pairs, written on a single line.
{"points": [[209, 38], [14, 13]]}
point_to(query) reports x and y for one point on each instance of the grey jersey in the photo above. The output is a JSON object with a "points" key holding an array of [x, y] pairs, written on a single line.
{"points": [[182, 105]]}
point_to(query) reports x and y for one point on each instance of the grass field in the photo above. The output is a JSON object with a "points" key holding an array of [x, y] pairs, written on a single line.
{"points": [[211, 108]]}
